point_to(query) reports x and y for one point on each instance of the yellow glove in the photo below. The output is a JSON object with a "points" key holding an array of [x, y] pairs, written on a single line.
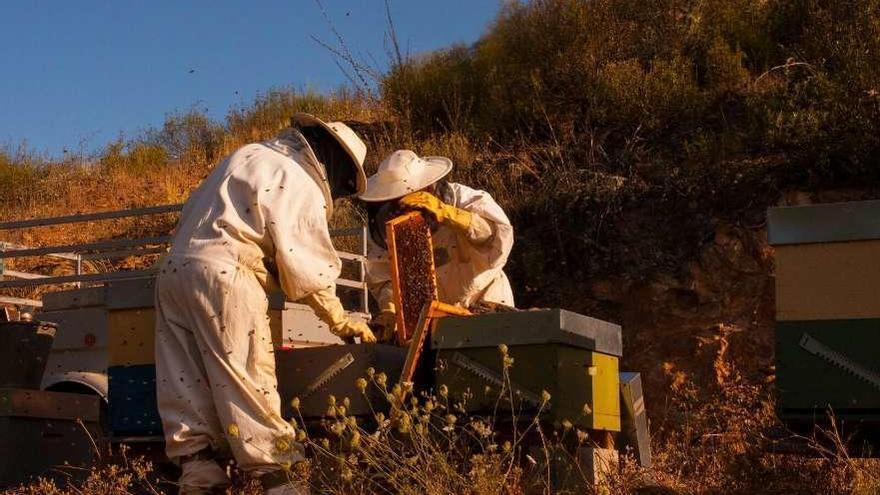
{"points": [[329, 309], [442, 212], [387, 319], [354, 328]]}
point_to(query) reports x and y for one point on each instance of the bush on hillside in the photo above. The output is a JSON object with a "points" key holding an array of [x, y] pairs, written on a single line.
{"points": [[672, 80], [190, 135], [17, 171], [701, 109], [132, 158], [272, 111]]}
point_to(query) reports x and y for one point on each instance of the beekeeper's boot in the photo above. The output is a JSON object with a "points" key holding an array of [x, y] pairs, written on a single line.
{"points": [[278, 483], [202, 475]]}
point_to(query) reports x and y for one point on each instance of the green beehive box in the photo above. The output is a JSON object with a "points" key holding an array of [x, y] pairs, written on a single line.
{"points": [[572, 357], [827, 309]]}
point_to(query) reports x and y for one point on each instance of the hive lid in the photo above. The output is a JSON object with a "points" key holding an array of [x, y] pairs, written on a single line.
{"points": [[131, 294], [831, 222], [48, 405], [545, 326], [74, 298]]}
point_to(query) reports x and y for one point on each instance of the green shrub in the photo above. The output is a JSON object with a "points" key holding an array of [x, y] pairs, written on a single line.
{"points": [[188, 136], [133, 158], [271, 111], [20, 175]]}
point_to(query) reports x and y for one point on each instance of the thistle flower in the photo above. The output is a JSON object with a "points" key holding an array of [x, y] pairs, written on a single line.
{"points": [[337, 429], [450, 419], [294, 403], [545, 396], [361, 385], [404, 423], [282, 444], [233, 431], [381, 379]]}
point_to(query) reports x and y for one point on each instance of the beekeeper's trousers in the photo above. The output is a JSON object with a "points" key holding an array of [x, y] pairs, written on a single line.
{"points": [[215, 367]]}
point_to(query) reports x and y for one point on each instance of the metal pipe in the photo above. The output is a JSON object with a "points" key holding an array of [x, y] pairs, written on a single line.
{"points": [[365, 303], [92, 246], [105, 215]]}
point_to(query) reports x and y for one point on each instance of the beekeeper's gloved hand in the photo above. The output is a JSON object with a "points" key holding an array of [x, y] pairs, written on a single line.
{"points": [[387, 319], [354, 328], [329, 309], [442, 212]]}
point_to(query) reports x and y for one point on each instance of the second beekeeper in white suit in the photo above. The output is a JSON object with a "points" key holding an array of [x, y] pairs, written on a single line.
{"points": [[266, 205], [472, 236]]}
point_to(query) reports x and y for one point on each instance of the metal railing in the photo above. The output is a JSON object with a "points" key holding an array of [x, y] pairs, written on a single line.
{"points": [[123, 248]]}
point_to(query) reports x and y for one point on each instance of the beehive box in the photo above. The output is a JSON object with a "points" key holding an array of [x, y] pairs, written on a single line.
{"points": [[24, 351], [313, 374], [41, 431], [131, 359], [571, 356], [827, 308]]}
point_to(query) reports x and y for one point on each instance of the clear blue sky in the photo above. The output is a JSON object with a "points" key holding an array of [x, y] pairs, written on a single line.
{"points": [[86, 71]]}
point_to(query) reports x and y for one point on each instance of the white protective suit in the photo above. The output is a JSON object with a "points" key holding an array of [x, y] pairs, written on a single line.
{"points": [[215, 367], [470, 267]]}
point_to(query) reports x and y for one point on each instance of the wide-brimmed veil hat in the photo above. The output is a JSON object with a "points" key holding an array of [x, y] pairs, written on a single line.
{"points": [[403, 172], [346, 137]]}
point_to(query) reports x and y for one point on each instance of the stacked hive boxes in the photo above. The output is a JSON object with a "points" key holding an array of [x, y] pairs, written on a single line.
{"points": [[827, 309], [39, 430], [131, 361]]}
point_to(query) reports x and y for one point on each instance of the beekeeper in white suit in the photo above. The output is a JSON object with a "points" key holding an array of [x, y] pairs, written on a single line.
{"points": [[267, 204], [472, 239]]}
